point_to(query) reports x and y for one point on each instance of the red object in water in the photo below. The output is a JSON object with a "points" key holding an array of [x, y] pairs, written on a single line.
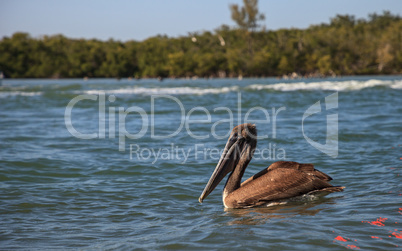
{"points": [[378, 222], [340, 238], [397, 235], [352, 247]]}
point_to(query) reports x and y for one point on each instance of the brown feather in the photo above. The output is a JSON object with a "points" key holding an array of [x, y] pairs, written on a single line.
{"points": [[281, 180], [307, 168]]}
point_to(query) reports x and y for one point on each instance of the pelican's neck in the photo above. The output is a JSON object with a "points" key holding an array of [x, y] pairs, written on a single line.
{"points": [[235, 176]]}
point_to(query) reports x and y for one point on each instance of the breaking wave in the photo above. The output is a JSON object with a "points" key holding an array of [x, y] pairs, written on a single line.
{"points": [[246, 85], [18, 93], [167, 91], [350, 85]]}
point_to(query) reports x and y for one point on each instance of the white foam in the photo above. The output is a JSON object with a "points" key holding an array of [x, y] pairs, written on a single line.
{"points": [[349, 85], [19, 93], [396, 85], [166, 91]]}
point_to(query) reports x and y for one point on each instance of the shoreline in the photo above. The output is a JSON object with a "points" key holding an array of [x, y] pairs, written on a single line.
{"points": [[290, 76]]}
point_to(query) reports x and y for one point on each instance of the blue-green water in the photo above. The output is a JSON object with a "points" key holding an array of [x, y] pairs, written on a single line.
{"points": [[153, 145]]}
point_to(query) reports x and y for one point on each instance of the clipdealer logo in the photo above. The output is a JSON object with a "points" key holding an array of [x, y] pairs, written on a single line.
{"points": [[109, 114], [331, 142]]}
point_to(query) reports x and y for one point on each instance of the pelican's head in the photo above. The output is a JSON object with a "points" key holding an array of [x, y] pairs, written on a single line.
{"points": [[240, 146]]}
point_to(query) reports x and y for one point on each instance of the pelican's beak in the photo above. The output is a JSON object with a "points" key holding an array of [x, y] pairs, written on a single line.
{"points": [[226, 164]]}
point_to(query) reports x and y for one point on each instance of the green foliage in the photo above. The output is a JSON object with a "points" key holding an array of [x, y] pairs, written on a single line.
{"points": [[344, 46]]}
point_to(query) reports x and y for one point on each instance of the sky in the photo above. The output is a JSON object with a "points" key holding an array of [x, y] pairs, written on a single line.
{"points": [[140, 19]]}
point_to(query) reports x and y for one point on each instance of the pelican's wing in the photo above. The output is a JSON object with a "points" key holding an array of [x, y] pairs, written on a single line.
{"points": [[276, 184], [306, 168]]}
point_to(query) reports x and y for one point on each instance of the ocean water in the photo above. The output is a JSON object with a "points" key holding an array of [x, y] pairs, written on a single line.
{"points": [[119, 164]]}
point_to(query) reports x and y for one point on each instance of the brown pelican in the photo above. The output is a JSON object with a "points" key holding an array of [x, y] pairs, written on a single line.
{"points": [[281, 180]]}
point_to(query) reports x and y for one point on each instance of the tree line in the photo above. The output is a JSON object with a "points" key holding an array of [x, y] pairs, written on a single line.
{"points": [[344, 46]]}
